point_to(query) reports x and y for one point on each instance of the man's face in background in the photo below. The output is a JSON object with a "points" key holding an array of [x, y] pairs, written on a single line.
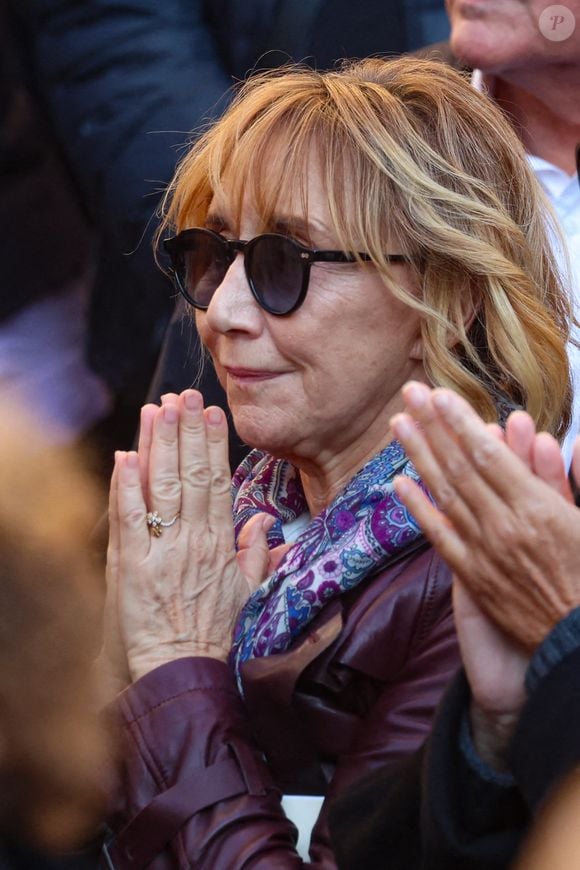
{"points": [[502, 36]]}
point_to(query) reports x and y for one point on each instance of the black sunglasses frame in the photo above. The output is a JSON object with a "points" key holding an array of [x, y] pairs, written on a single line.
{"points": [[176, 246]]}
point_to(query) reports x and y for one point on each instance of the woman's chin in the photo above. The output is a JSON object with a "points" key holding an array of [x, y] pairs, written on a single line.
{"points": [[261, 437], [261, 441]]}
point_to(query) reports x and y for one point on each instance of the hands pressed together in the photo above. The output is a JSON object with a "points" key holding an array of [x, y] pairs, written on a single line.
{"points": [[505, 522], [507, 525], [177, 594]]}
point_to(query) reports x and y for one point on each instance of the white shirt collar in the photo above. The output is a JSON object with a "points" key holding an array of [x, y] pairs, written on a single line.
{"points": [[477, 80], [483, 82], [555, 181]]}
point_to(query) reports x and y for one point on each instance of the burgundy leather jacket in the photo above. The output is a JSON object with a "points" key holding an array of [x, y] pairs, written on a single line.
{"points": [[202, 770]]}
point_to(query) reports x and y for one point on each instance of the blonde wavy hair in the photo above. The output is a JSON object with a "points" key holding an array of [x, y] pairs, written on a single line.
{"points": [[52, 746], [434, 165]]}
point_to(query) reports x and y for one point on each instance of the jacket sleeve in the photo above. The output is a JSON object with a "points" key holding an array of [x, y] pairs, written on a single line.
{"points": [[546, 745], [194, 790], [434, 812], [469, 821], [195, 787]]}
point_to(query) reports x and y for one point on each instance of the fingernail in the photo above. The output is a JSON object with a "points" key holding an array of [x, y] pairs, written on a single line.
{"points": [[170, 413], [214, 416], [414, 395], [132, 459], [193, 401]]}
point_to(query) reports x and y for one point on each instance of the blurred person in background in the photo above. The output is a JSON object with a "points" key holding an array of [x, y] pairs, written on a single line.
{"points": [[125, 84], [554, 841], [46, 262], [526, 55], [529, 60], [52, 747]]}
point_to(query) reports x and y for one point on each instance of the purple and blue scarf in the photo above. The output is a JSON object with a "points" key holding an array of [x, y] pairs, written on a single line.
{"points": [[355, 536]]}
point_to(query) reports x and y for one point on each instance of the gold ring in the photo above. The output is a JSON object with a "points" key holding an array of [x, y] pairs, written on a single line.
{"points": [[156, 524]]}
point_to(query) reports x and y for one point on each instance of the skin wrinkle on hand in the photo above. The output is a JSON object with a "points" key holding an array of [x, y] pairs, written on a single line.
{"points": [[492, 735], [485, 455]]}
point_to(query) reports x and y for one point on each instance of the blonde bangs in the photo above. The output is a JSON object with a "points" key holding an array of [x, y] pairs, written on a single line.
{"points": [[262, 152]]}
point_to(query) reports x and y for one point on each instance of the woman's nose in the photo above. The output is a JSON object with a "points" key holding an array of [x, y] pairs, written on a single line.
{"points": [[232, 305]]}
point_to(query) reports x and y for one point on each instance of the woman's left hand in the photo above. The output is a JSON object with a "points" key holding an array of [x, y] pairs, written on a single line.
{"points": [[179, 594]]}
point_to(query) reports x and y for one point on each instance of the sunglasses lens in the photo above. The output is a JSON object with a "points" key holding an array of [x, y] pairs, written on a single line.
{"points": [[277, 273], [200, 262]]}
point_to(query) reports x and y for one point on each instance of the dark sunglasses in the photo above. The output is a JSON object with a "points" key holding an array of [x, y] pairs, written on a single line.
{"points": [[277, 267]]}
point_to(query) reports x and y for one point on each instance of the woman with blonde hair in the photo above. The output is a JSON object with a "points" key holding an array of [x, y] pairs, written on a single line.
{"points": [[336, 235]]}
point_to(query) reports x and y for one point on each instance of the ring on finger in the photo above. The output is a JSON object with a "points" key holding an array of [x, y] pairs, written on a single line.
{"points": [[157, 524]]}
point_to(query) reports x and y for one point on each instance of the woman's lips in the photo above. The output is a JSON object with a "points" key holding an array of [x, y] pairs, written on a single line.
{"points": [[251, 375]]}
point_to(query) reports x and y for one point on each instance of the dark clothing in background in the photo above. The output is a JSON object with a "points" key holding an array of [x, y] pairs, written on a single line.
{"points": [[20, 857], [124, 83], [44, 237], [47, 254], [434, 812]]}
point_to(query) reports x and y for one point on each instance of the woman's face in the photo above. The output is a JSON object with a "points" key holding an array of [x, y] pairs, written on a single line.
{"points": [[326, 378]]}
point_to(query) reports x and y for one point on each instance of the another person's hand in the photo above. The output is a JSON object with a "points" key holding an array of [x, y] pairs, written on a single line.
{"points": [[509, 591], [510, 535], [495, 667], [179, 594]]}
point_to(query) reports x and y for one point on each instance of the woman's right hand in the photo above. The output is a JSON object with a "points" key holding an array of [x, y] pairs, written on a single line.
{"points": [[254, 560]]}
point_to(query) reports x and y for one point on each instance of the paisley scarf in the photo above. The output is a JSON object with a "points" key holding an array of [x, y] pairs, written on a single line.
{"points": [[354, 537]]}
